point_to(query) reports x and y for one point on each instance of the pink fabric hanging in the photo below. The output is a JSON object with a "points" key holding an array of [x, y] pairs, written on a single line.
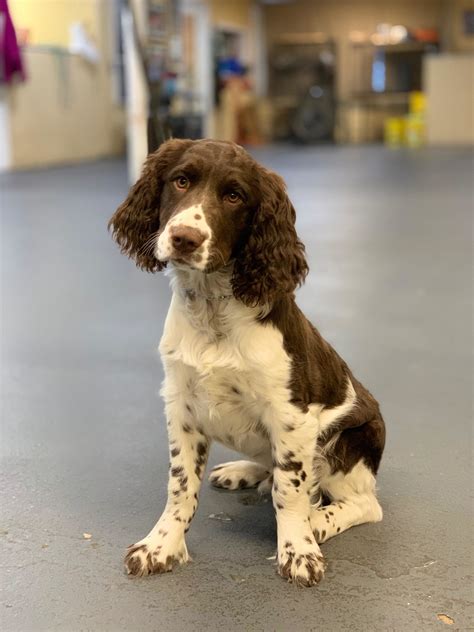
{"points": [[10, 57]]}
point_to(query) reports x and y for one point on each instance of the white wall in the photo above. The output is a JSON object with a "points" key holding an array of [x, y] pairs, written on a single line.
{"points": [[449, 87]]}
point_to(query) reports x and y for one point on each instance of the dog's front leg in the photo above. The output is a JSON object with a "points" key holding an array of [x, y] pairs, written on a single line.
{"points": [[299, 557], [165, 545]]}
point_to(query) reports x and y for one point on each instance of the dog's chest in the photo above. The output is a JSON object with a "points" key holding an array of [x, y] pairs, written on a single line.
{"points": [[232, 379], [231, 409], [231, 390]]}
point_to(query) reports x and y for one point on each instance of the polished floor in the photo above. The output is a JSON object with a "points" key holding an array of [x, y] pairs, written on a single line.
{"points": [[83, 440]]}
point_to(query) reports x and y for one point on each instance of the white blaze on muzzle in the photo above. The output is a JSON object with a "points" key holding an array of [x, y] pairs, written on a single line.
{"points": [[192, 218]]}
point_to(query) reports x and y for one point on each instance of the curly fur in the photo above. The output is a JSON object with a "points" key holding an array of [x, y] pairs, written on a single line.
{"points": [[272, 262], [269, 261], [137, 219]]}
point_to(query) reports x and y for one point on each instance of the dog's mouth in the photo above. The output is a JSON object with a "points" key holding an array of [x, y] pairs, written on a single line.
{"points": [[198, 260], [192, 259], [187, 263]]}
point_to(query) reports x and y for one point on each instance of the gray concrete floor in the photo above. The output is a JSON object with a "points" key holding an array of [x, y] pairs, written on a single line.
{"points": [[82, 433]]}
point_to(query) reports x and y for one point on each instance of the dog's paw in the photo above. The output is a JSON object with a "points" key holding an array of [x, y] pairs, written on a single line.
{"points": [[238, 475], [151, 555], [303, 566]]}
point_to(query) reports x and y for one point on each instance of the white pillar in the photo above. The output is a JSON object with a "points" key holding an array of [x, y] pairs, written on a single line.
{"points": [[136, 100], [5, 130]]}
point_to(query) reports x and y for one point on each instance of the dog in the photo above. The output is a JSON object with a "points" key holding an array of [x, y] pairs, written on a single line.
{"points": [[243, 366]]}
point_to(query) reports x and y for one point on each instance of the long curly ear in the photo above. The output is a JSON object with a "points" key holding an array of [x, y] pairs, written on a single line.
{"points": [[137, 219], [272, 261]]}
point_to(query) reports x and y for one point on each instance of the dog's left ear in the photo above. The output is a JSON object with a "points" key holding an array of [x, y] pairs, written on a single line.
{"points": [[272, 262], [137, 219]]}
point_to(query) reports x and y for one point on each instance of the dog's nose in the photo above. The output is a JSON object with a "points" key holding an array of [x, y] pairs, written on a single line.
{"points": [[186, 240]]}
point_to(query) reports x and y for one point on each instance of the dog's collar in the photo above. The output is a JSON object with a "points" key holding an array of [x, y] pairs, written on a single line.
{"points": [[192, 294]]}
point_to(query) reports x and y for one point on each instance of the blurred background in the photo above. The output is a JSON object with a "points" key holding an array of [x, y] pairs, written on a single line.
{"points": [[83, 76], [365, 107]]}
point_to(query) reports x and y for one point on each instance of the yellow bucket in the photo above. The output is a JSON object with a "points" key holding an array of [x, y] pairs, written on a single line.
{"points": [[394, 131], [415, 130], [417, 102]]}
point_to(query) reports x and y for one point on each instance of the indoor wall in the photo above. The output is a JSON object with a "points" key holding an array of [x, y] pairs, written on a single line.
{"points": [[77, 114], [337, 19]]}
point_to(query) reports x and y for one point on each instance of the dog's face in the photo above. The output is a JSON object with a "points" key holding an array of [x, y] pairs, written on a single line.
{"points": [[208, 197], [205, 204]]}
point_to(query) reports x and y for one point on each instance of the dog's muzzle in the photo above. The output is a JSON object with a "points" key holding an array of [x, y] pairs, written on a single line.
{"points": [[185, 240]]}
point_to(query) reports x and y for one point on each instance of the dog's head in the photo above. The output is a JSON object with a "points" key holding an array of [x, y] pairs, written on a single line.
{"points": [[204, 204]]}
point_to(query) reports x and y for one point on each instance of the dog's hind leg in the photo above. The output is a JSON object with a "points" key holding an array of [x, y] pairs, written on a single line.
{"points": [[353, 502], [240, 475]]}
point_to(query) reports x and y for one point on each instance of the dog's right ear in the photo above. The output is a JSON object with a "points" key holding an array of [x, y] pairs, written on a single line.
{"points": [[136, 222]]}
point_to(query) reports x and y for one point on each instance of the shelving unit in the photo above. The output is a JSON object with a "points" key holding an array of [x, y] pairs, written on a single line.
{"points": [[399, 72], [403, 66], [174, 106], [302, 72]]}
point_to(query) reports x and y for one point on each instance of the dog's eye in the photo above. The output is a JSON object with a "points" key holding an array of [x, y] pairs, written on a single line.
{"points": [[233, 197], [182, 182]]}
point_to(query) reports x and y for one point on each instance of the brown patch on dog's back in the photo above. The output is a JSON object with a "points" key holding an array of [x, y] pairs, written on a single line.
{"points": [[318, 375]]}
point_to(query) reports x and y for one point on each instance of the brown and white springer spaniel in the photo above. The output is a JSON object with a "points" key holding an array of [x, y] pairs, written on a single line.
{"points": [[243, 365]]}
